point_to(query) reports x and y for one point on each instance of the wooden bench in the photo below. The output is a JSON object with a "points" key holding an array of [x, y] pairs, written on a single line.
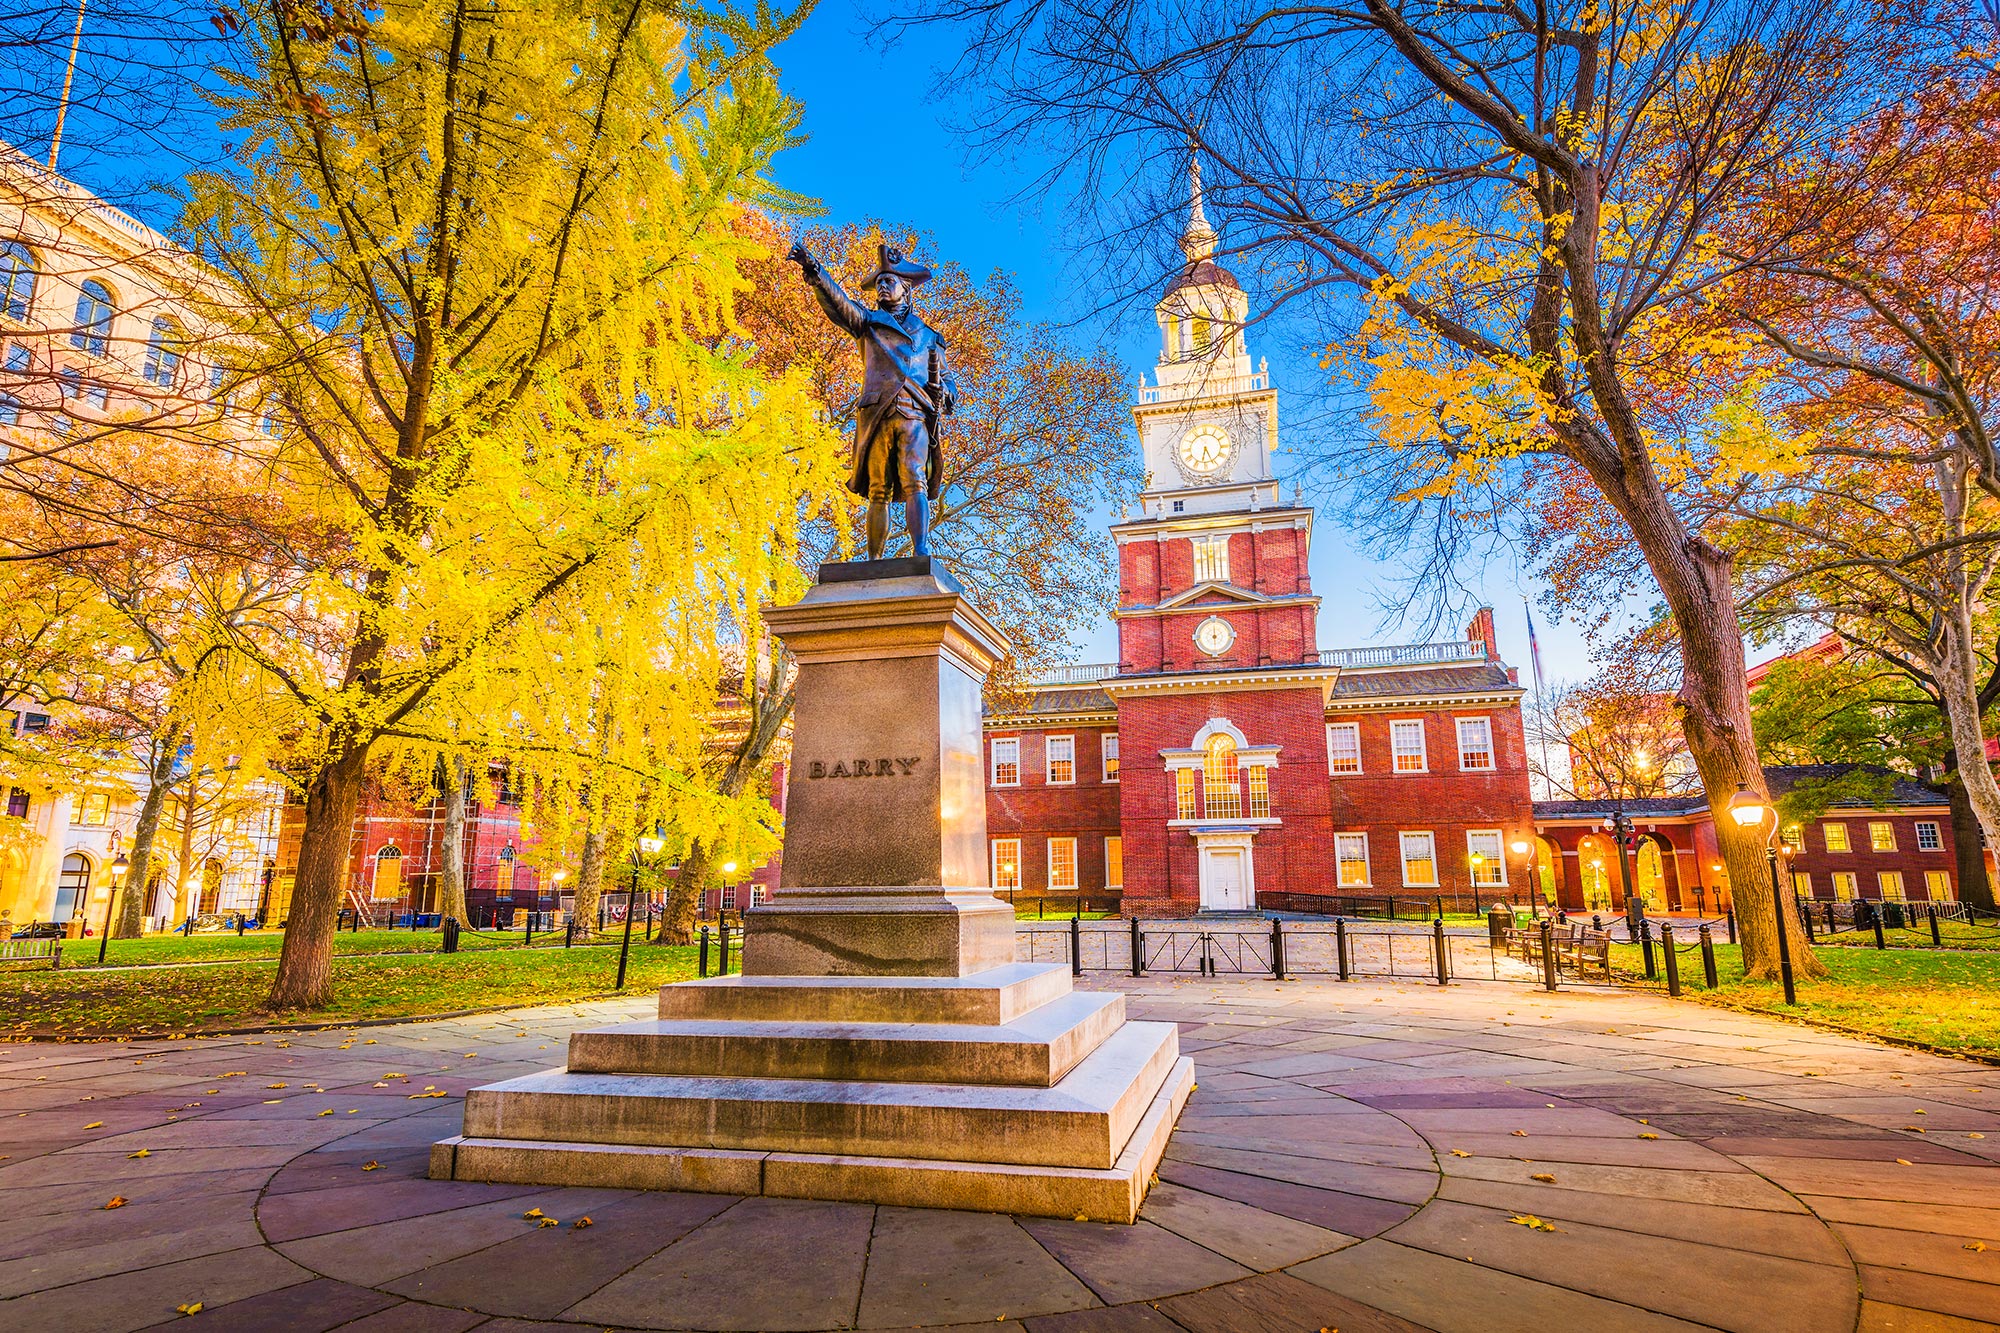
{"points": [[31, 953], [1579, 950]]}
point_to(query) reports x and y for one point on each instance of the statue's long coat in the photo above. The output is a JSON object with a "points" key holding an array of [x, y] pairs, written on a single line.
{"points": [[896, 355]]}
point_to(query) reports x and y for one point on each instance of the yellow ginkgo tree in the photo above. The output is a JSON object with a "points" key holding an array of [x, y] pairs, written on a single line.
{"points": [[471, 260]]}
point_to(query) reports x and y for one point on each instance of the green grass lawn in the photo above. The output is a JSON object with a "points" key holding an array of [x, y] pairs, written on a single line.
{"points": [[87, 1002], [1951, 934], [229, 947], [1944, 999]]}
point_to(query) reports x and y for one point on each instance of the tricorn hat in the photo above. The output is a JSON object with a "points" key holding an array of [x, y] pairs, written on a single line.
{"points": [[892, 261]]}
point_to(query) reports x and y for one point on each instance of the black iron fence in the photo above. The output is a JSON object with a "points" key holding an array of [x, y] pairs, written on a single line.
{"points": [[1397, 907], [1889, 923]]}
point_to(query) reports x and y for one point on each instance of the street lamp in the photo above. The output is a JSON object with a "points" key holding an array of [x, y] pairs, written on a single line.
{"points": [[119, 865], [1620, 827], [649, 845], [1747, 809]]}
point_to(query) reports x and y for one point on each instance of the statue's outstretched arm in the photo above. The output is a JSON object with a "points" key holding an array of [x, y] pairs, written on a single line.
{"points": [[841, 308]]}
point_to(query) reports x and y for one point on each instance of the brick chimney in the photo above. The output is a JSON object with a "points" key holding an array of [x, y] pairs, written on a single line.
{"points": [[1480, 631]]}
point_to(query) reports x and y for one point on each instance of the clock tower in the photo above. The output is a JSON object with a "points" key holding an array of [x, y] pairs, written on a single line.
{"points": [[1220, 692]]}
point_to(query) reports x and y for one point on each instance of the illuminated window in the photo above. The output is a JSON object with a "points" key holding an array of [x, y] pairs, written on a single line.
{"points": [[1260, 792], [1351, 853], [1836, 838], [388, 873], [1114, 863], [1882, 836], [1794, 837], [729, 897], [1060, 753], [1109, 744], [757, 895], [1007, 762], [1406, 741], [1184, 794], [1006, 865], [1937, 883], [1201, 333], [1482, 849], [17, 280], [1211, 559], [1062, 865], [1220, 795], [1843, 885], [1802, 884], [93, 317], [1891, 884], [1475, 744], [93, 809], [1343, 747], [1927, 836], [1419, 860]]}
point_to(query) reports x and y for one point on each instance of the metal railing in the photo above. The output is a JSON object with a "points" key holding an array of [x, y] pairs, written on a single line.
{"points": [[1403, 654]]}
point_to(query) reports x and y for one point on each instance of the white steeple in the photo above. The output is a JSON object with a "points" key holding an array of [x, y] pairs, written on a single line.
{"points": [[1198, 238]]}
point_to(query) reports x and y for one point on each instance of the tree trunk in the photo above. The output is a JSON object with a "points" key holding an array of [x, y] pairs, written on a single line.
{"points": [[305, 965], [132, 915], [451, 886], [697, 873], [1694, 576], [1968, 848], [184, 862], [590, 874], [1957, 679]]}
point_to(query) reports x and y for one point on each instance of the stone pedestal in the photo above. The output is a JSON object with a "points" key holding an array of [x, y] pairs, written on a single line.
{"points": [[882, 1044]]}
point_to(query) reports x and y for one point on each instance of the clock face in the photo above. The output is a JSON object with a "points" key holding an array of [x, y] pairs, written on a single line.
{"points": [[1205, 449], [1214, 636]]}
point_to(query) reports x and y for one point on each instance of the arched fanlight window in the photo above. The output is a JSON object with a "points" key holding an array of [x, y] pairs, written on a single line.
{"points": [[163, 352], [388, 872], [17, 280], [93, 317], [1220, 794]]}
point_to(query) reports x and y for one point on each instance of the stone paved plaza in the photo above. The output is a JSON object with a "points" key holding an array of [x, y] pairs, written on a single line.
{"points": [[1355, 1158]]}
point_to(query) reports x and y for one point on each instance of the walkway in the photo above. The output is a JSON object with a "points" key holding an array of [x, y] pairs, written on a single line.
{"points": [[1373, 1158]]}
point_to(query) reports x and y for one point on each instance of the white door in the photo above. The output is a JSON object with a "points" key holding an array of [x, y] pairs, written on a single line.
{"points": [[1223, 881]]}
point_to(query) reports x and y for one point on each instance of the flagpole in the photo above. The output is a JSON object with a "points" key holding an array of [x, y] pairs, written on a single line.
{"points": [[69, 76], [1541, 717]]}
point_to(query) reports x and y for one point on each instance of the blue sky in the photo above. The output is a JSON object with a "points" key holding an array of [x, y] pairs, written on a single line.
{"points": [[856, 90]]}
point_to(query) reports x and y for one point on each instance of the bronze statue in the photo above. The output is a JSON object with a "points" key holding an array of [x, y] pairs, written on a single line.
{"points": [[905, 391]]}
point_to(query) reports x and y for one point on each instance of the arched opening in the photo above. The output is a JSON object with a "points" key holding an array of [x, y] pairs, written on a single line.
{"points": [[1649, 876], [211, 885], [1220, 793], [388, 881], [93, 317], [1547, 858], [1594, 868], [1201, 333], [73, 887]]}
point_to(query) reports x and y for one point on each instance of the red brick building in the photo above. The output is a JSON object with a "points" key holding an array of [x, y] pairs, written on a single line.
{"points": [[1226, 761]]}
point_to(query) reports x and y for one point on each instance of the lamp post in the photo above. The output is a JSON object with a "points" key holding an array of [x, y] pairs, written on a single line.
{"points": [[119, 865], [648, 845], [1520, 849], [1748, 812], [1619, 826]]}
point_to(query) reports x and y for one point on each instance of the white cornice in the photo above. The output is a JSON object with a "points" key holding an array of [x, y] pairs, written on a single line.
{"points": [[1224, 682], [1204, 608], [1378, 704]]}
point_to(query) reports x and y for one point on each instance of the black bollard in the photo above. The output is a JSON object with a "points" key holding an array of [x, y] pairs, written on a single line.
{"points": [[527, 929], [242, 921], [1732, 925], [704, 951], [625, 944], [1138, 950], [1646, 948], [1805, 918], [1340, 946], [1936, 938], [1876, 917], [1829, 916], [1548, 955], [723, 949], [1673, 959], [1075, 947], [1277, 949], [1443, 958], [1707, 956], [569, 931]]}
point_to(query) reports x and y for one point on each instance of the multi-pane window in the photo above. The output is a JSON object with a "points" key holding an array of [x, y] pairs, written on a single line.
{"points": [[93, 317], [1059, 754], [19, 359], [1937, 883], [1220, 795], [10, 413], [1836, 838], [1482, 850], [1928, 839], [1475, 744], [1793, 837], [757, 895], [1260, 792], [1062, 865], [1843, 885], [1343, 747], [1802, 884], [94, 809], [1882, 836], [1211, 559], [1109, 747], [1114, 863], [1420, 859], [1006, 865], [1406, 743], [1007, 762], [17, 803], [163, 353], [729, 897], [1891, 882], [1351, 853], [1184, 807], [17, 280]]}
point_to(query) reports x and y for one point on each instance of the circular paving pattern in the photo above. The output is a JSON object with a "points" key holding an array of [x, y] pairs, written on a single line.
{"points": [[1365, 1157]]}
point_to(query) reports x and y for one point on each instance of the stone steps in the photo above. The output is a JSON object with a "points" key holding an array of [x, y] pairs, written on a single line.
{"points": [[998, 995], [1036, 1049]]}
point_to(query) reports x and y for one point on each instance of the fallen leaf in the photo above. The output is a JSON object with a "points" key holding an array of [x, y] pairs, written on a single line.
{"points": [[95, 1124], [1544, 1177], [117, 1201], [549, 1222], [1520, 1133], [1460, 1152], [275, 1101], [1976, 1246], [1649, 1136], [371, 1166], [580, 1224], [1530, 1221], [328, 1111], [1903, 1161], [532, 1214], [192, 1307], [1082, 1217], [1975, 1136], [277, 1085], [143, 1152]]}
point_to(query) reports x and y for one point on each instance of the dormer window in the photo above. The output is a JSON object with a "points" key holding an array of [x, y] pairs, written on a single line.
{"points": [[1211, 560]]}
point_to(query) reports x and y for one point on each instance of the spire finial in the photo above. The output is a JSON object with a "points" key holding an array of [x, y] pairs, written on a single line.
{"points": [[1198, 241]]}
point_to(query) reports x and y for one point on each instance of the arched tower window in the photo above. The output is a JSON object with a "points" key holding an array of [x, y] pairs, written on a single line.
{"points": [[1201, 333], [1221, 795], [17, 280], [93, 317]]}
